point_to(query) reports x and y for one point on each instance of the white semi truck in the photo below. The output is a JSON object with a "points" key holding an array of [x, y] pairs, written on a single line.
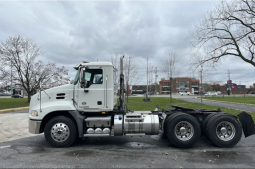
{"points": [[89, 108]]}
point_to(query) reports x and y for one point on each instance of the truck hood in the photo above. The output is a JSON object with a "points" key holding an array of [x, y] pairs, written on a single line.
{"points": [[60, 88], [60, 93], [53, 99]]}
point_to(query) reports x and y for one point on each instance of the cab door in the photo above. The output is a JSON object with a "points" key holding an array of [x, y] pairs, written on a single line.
{"points": [[91, 97]]}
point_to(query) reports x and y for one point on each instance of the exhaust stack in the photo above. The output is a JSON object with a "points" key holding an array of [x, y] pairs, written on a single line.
{"points": [[121, 97]]}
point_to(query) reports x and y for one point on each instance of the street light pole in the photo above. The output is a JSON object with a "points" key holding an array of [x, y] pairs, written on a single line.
{"points": [[155, 81], [147, 82]]}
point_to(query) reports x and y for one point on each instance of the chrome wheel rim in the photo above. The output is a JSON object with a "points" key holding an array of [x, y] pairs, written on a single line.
{"points": [[225, 131], [60, 132], [184, 131]]}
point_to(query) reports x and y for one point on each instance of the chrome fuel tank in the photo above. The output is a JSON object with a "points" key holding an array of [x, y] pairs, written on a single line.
{"points": [[136, 123]]}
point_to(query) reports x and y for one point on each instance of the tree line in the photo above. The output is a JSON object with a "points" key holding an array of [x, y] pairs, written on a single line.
{"points": [[20, 65]]}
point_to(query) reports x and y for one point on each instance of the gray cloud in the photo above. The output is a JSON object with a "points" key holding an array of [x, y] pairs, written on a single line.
{"points": [[69, 32]]}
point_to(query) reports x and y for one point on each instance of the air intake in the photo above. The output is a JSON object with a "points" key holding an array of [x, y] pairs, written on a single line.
{"points": [[60, 96]]}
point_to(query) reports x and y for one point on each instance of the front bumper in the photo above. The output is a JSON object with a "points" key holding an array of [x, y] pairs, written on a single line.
{"points": [[34, 126]]}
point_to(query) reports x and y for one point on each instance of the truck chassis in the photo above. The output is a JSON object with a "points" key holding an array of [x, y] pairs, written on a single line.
{"points": [[51, 114]]}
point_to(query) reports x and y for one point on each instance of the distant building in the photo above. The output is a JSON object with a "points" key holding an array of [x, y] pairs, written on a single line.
{"points": [[139, 89], [16, 89], [235, 89], [180, 84]]}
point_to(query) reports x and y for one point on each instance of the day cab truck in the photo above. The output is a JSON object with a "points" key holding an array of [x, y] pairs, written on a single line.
{"points": [[89, 108]]}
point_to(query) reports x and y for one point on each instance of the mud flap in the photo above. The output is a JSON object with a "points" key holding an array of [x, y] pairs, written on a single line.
{"points": [[247, 124]]}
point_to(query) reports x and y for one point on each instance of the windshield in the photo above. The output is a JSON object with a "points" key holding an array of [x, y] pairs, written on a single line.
{"points": [[76, 78]]}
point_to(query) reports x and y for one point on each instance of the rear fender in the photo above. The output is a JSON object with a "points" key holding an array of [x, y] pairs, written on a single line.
{"points": [[247, 124]]}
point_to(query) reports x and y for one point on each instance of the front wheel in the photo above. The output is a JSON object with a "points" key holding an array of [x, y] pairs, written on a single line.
{"points": [[60, 131]]}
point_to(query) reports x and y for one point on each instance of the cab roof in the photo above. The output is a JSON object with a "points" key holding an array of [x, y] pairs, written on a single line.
{"points": [[93, 64]]}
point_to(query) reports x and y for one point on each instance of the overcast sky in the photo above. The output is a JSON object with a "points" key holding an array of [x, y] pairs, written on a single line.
{"points": [[69, 32]]}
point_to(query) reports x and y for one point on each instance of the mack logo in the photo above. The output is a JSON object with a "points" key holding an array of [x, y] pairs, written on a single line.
{"points": [[83, 103]]}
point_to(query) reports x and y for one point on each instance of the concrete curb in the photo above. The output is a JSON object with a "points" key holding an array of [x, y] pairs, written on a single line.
{"points": [[227, 102], [13, 109]]}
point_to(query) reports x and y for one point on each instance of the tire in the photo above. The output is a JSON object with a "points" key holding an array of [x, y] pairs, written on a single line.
{"points": [[224, 130], [205, 123], [60, 131], [190, 130], [166, 121]]}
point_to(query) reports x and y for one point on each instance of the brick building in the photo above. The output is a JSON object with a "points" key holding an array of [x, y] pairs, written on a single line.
{"points": [[235, 89], [141, 89], [180, 84]]}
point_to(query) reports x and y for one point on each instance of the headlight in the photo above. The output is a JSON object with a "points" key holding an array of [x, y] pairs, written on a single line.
{"points": [[34, 113]]}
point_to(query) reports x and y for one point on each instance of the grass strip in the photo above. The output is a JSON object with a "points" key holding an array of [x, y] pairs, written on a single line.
{"points": [[8, 103], [243, 100]]}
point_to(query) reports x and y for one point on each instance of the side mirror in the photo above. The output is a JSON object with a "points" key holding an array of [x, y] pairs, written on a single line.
{"points": [[71, 82], [83, 83]]}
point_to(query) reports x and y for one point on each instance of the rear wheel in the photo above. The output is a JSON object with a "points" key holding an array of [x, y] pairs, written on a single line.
{"points": [[183, 130], [224, 130], [205, 124], [168, 119], [60, 131]]}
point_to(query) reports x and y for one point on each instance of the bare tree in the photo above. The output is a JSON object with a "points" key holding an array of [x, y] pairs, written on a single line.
{"points": [[170, 70], [130, 69], [4, 75], [30, 73], [151, 76], [200, 68], [228, 30], [130, 72], [115, 59]]}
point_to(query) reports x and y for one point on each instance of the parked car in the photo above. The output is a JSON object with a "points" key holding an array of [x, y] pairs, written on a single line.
{"points": [[184, 93], [199, 93], [219, 92], [4, 93], [17, 96], [211, 94]]}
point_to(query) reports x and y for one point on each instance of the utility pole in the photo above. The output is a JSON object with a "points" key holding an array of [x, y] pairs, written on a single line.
{"points": [[147, 82], [229, 83], [156, 80], [170, 81], [201, 77]]}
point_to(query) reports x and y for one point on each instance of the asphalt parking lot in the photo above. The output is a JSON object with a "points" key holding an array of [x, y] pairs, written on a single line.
{"points": [[20, 149]]}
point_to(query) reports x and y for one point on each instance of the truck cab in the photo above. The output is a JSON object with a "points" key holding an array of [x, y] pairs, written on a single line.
{"points": [[92, 94], [94, 87]]}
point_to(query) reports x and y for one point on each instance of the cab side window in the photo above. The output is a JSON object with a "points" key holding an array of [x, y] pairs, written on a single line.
{"points": [[94, 76], [98, 79]]}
